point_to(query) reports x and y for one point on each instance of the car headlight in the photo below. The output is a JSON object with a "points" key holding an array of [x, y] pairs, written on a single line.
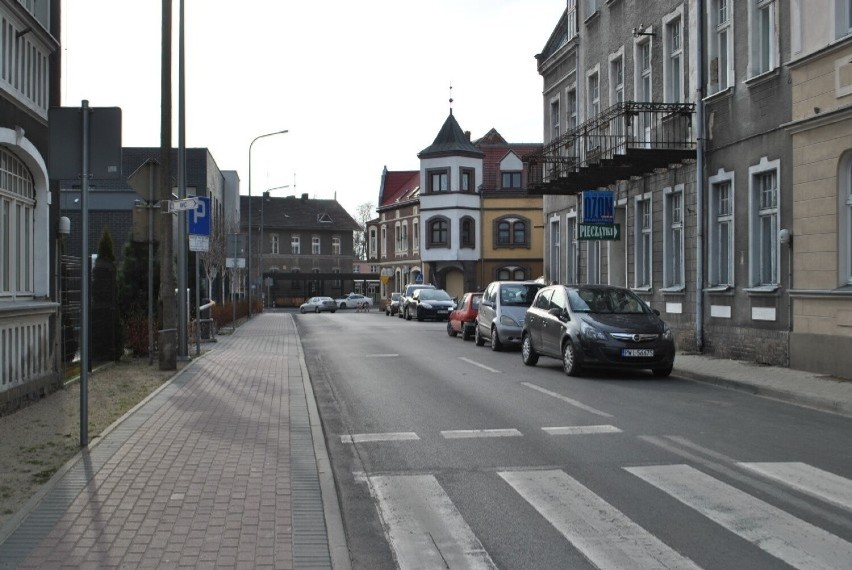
{"points": [[667, 334], [426, 305], [508, 321], [591, 333]]}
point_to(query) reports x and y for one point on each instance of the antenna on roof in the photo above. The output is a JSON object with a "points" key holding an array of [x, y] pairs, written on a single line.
{"points": [[451, 97]]}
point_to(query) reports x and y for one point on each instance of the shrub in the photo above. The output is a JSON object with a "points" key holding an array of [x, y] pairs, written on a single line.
{"points": [[136, 333]]}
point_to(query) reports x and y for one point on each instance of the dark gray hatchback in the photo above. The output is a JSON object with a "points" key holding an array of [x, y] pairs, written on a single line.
{"points": [[596, 325]]}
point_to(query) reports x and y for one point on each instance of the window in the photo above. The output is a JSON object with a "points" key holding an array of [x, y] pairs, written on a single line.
{"points": [[384, 241], [335, 245], [644, 90], [510, 179], [721, 239], [843, 17], [594, 254], [336, 283], [721, 46], [416, 234], [468, 234], [591, 7], [572, 109], [763, 223], [512, 232], [511, 273], [466, 180], [438, 181], [274, 244], [296, 283], [643, 241], [554, 119], [17, 211], [571, 15], [315, 245], [24, 67], [397, 241], [403, 240], [554, 250], [616, 80], [674, 61], [845, 230], [594, 93], [673, 244], [295, 245], [764, 41], [439, 232], [374, 250]]}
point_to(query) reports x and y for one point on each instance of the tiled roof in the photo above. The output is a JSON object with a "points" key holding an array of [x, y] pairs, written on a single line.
{"points": [[399, 186], [495, 149], [298, 213], [451, 140]]}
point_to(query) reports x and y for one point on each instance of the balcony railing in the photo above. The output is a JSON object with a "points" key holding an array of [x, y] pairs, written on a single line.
{"points": [[628, 139]]}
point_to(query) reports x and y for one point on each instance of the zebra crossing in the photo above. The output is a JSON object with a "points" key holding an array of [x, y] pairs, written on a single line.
{"points": [[426, 530]]}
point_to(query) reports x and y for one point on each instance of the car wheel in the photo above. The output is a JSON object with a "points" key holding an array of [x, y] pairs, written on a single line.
{"points": [[496, 345], [342, 305], [302, 310], [662, 372], [477, 337], [418, 315], [334, 310], [466, 334], [450, 330], [528, 353], [569, 359], [407, 314]]}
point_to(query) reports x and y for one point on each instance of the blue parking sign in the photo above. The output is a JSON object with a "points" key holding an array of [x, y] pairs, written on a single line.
{"points": [[199, 218]]}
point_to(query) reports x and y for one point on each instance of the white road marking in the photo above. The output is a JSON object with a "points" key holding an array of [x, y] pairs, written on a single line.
{"points": [[423, 526], [602, 533], [371, 437], [580, 430], [468, 433], [381, 355], [796, 542], [469, 361], [574, 403], [809, 480]]}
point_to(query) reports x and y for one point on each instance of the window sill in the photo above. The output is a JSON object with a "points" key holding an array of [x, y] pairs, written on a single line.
{"points": [[719, 289], [592, 17], [762, 290], [641, 289], [764, 77], [679, 289], [723, 94]]}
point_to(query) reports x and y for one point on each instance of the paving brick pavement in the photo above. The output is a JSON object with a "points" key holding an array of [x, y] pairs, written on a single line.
{"points": [[217, 468]]}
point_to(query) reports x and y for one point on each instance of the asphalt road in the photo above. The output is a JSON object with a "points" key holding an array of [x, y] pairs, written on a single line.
{"points": [[450, 455]]}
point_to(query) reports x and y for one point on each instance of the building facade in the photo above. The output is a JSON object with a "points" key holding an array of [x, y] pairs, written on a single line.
{"points": [[302, 247], [821, 136], [29, 86], [626, 86]]}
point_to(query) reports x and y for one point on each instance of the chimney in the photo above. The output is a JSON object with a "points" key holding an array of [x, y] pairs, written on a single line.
{"points": [[467, 134], [305, 197]]}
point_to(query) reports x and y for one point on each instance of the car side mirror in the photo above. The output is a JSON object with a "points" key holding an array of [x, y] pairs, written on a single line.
{"points": [[559, 313], [656, 312]]}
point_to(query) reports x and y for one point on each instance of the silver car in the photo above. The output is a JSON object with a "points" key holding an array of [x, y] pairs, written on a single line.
{"points": [[501, 312]]}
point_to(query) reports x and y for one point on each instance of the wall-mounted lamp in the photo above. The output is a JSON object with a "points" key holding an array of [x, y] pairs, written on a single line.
{"points": [[640, 31], [64, 226]]}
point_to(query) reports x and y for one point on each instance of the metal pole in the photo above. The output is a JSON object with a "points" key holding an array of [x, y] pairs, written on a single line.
{"points": [[84, 286], [197, 305], [234, 274], [260, 253], [248, 265], [699, 182], [183, 350], [151, 264]]}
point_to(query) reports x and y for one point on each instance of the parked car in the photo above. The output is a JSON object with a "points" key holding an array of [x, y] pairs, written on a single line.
{"points": [[463, 318], [318, 304], [433, 304], [405, 298], [392, 304], [596, 325], [501, 312], [353, 301]]}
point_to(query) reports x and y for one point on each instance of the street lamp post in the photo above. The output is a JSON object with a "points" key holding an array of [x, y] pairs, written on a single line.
{"points": [[262, 243], [248, 268]]}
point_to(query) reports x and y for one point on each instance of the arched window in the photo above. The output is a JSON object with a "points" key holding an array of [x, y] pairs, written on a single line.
{"points": [[468, 232], [512, 231], [439, 232], [511, 273], [17, 211]]}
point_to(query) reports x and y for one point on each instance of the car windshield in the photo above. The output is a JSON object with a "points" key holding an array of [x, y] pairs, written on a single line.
{"points": [[518, 295], [605, 300], [394, 296], [434, 295], [474, 302]]}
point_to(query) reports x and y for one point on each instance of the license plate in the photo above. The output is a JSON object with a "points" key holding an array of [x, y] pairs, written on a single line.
{"points": [[442, 312], [637, 352]]}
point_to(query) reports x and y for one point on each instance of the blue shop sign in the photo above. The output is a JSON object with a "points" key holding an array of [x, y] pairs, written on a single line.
{"points": [[598, 207]]}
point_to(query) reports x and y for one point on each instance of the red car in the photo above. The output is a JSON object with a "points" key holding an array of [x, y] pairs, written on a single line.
{"points": [[463, 319]]}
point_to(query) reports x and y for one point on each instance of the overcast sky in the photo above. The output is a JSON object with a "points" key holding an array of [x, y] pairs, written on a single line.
{"points": [[359, 85]]}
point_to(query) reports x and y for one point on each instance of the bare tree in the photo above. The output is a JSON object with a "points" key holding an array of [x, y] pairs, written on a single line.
{"points": [[363, 214], [213, 259]]}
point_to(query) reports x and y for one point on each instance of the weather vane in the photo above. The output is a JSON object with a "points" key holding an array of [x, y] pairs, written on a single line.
{"points": [[451, 97]]}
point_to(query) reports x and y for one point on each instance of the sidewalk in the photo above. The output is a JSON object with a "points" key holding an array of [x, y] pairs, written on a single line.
{"points": [[226, 465]]}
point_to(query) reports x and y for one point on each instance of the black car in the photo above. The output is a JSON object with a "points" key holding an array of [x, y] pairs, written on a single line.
{"points": [[596, 325], [434, 304]]}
